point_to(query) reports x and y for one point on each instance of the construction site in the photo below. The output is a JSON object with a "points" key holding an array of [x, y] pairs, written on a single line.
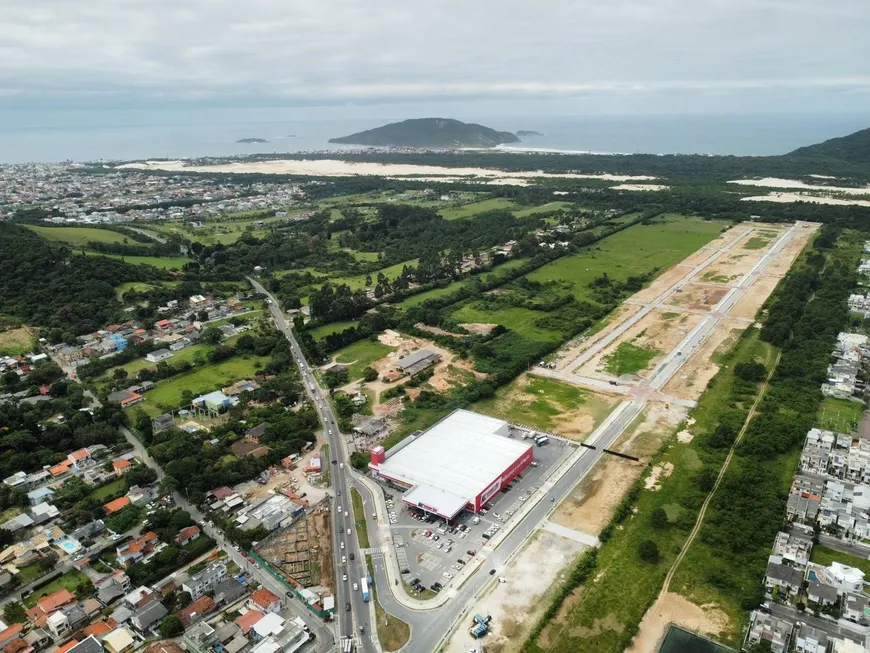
{"points": [[302, 551]]}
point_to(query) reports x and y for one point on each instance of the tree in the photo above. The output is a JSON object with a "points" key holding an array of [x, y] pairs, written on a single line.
{"points": [[212, 335], [171, 626], [648, 551], [750, 371], [370, 374], [659, 519], [13, 612]]}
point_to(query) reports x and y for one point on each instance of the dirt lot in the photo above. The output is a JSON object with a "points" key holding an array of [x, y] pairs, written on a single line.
{"points": [[590, 506], [723, 240], [660, 330], [700, 297], [692, 378], [564, 357], [303, 551], [673, 608], [517, 604]]}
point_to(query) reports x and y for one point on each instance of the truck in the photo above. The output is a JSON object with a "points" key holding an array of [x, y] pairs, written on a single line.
{"points": [[480, 627], [364, 588], [347, 645], [541, 440]]}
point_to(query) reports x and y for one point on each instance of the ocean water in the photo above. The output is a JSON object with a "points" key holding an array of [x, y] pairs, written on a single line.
{"points": [[112, 135]]}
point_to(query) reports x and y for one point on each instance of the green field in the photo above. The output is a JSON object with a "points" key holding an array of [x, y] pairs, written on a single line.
{"points": [[359, 515], [519, 319], [391, 272], [138, 286], [629, 358], [361, 354], [14, 342], [539, 402], [165, 262], [839, 415], [80, 236], [637, 250], [103, 492], [71, 580], [824, 556], [324, 330], [468, 210], [195, 354], [199, 381], [543, 208]]}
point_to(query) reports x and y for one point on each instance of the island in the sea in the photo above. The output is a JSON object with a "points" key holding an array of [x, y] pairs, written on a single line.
{"points": [[527, 133], [429, 132], [252, 140]]}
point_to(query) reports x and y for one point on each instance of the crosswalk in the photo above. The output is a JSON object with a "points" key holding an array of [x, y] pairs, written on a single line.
{"points": [[372, 550]]}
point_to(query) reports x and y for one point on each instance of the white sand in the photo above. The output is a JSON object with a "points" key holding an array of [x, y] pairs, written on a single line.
{"points": [[774, 182], [336, 168], [639, 187], [787, 198]]}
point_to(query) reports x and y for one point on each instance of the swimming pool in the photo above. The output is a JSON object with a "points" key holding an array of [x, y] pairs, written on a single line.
{"points": [[70, 546]]}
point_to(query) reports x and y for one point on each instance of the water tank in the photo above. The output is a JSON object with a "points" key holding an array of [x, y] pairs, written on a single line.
{"points": [[379, 455]]}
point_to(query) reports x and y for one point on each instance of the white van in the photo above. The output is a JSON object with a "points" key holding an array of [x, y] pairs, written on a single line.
{"points": [[355, 587]]}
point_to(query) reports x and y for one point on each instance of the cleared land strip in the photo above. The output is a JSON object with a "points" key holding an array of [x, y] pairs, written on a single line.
{"points": [[655, 621]]}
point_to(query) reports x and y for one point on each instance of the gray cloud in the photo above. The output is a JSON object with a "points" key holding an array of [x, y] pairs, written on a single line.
{"points": [[347, 50]]}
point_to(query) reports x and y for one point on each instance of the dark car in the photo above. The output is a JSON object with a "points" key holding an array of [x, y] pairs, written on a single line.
{"points": [[334, 461], [351, 555], [492, 572], [347, 607]]}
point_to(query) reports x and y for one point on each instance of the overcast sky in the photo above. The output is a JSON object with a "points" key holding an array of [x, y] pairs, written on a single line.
{"points": [[633, 56]]}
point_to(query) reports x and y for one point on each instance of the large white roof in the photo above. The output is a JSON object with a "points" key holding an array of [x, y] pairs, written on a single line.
{"points": [[455, 460]]}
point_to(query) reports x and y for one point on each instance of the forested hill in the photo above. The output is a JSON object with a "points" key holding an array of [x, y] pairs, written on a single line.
{"points": [[49, 286], [429, 132], [854, 148]]}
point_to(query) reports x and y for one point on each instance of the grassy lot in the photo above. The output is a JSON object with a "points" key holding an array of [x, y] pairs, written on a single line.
{"points": [[70, 580], [16, 341], [325, 464], [199, 381], [195, 354], [468, 210], [165, 262], [29, 573], [393, 633], [359, 515], [322, 331], [839, 415], [522, 320], [822, 555], [138, 286], [638, 250], [416, 300], [361, 354], [79, 236], [543, 208], [629, 358], [390, 272], [602, 615], [109, 489], [538, 402]]}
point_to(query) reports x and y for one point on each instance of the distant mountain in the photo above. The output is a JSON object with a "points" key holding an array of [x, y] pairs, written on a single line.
{"points": [[429, 132], [854, 148], [252, 140]]}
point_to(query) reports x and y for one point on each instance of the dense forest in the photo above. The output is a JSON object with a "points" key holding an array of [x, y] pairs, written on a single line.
{"points": [[52, 287]]}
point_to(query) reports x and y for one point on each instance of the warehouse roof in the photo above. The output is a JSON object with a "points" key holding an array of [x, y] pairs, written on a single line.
{"points": [[455, 460]]}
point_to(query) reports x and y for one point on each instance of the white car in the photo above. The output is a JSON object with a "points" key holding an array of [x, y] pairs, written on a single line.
{"points": [[348, 531], [343, 559], [447, 575], [342, 545], [339, 509], [236, 547], [344, 577]]}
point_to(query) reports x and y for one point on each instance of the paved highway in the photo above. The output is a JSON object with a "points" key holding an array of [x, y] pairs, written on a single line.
{"points": [[357, 621]]}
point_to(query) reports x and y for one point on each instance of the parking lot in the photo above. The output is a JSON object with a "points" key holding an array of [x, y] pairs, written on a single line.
{"points": [[432, 552]]}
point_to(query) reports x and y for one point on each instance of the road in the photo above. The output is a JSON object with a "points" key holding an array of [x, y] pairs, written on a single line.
{"points": [[149, 234], [839, 629], [343, 528]]}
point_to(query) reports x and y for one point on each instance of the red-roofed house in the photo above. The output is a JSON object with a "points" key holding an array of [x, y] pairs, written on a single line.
{"points": [[186, 535], [196, 610], [48, 605], [249, 620], [70, 644], [18, 645], [44, 390], [100, 629], [221, 493], [134, 551], [116, 505], [121, 466], [161, 324], [60, 469], [79, 457], [263, 599], [11, 633]]}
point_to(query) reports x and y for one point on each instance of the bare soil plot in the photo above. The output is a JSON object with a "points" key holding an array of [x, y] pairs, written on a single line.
{"points": [[673, 608], [302, 552], [566, 356], [590, 505], [710, 248], [516, 605], [697, 296], [692, 378], [16, 341], [657, 330]]}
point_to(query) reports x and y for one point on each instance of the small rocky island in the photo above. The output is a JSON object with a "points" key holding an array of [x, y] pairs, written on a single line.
{"points": [[252, 140]]}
